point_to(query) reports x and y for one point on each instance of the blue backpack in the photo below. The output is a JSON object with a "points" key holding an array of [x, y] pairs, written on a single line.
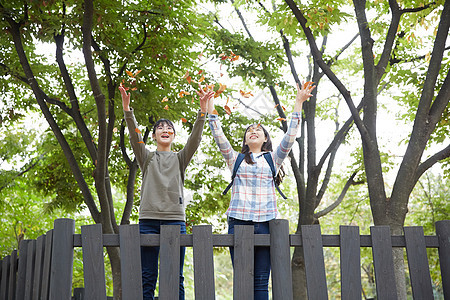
{"points": [[269, 160]]}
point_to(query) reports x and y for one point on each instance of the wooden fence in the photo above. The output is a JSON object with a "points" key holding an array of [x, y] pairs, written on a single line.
{"points": [[43, 268]]}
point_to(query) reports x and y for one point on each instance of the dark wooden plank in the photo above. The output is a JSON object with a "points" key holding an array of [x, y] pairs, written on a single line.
{"points": [[419, 270], [78, 294], [62, 260], [93, 262], [169, 278], [244, 267], [443, 233], [45, 285], [38, 267], [6, 263], [31, 253], [383, 262], [130, 261], [280, 259], [22, 269], [350, 262], [13, 275], [203, 262], [314, 262]]}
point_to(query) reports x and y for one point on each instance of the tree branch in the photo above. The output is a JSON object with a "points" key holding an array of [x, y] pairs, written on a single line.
{"points": [[338, 201], [443, 154]]}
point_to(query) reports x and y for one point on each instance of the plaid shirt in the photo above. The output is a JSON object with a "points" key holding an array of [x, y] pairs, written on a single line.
{"points": [[253, 195]]}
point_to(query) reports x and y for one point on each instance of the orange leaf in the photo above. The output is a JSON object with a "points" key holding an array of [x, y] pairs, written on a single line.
{"points": [[215, 112], [227, 109], [276, 105], [165, 99], [183, 120], [129, 73], [137, 73], [224, 57], [234, 58], [186, 75], [281, 119], [201, 79], [133, 89], [189, 79], [141, 142], [166, 107], [222, 88], [245, 94], [170, 132], [200, 72], [221, 54], [138, 131], [306, 84], [202, 114], [284, 108]]}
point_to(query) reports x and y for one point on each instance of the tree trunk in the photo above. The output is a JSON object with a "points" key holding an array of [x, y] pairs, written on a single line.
{"points": [[114, 258], [299, 275]]}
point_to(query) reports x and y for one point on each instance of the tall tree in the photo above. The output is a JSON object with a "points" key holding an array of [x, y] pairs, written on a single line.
{"points": [[378, 57], [117, 40]]}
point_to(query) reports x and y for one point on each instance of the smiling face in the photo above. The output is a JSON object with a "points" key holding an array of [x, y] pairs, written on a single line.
{"points": [[163, 134], [255, 137]]}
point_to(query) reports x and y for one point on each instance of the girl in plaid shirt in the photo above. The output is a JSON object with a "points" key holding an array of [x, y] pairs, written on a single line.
{"points": [[253, 199]]}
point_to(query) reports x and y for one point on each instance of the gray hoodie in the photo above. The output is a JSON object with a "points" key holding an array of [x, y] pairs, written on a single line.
{"points": [[163, 173]]}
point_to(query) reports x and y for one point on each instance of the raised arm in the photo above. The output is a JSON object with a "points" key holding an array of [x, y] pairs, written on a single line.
{"points": [[221, 140], [194, 139], [136, 140], [303, 94]]}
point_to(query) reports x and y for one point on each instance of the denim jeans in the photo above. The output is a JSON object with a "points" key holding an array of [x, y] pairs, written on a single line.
{"points": [[262, 258], [149, 257]]}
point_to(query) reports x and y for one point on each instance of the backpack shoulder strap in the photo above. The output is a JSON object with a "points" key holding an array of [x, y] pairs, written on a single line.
{"points": [[269, 160], [237, 163]]}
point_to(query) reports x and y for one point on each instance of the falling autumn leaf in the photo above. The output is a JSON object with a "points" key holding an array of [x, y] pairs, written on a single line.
{"points": [[183, 120], [166, 107], [201, 79], [137, 73], [129, 73], [227, 109], [284, 108], [215, 112], [276, 105], [281, 119], [165, 99], [246, 94], [186, 75], [137, 130], [200, 72], [170, 132], [222, 88], [182, 93], [141, 142], [189, 79], [307, 83]]}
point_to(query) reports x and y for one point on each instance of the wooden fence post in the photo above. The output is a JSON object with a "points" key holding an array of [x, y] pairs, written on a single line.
{"points": [[419, 270], [169, 278], [350, 262], [383, 262], [443, 233], [203, 262], [93, 262], [280, 259], [130, 261], [6, 264], [47, 264], [244, 266], [29, 278], [22, 269], [314, 262], [38, 267], [62, 260], [12, 276]]}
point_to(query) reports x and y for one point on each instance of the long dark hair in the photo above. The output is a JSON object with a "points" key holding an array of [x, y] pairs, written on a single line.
{"points": [[266, 147]]}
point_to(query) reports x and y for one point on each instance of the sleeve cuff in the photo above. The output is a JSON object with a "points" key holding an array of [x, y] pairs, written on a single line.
{"points": [[213, 117]]}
